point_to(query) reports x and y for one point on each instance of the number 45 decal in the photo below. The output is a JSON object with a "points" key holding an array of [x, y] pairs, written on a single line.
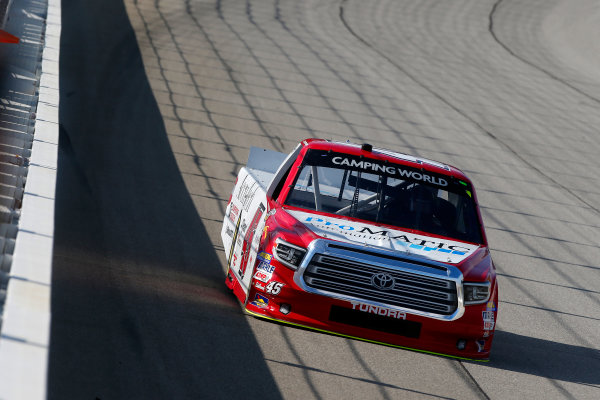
{"points": [[274, 288]]}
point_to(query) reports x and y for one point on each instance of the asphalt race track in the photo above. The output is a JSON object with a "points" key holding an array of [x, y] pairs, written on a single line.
{"points": [[160, 102]]}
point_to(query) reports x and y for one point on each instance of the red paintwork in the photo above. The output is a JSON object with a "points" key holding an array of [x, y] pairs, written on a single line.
{"points": [[6, 37], [312, 310]]}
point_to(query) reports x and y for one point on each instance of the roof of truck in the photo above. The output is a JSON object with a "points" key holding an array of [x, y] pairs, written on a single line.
{"points": [[368, 151]]}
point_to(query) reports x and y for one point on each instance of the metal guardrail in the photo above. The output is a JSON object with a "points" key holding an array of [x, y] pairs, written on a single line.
{"points": [[19, 80]]}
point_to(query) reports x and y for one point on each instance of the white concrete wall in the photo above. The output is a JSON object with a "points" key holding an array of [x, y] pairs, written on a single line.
{"points": [[24, 340]]}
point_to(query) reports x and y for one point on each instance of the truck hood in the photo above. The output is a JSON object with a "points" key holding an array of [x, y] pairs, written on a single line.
{"points": [[431, 248]]}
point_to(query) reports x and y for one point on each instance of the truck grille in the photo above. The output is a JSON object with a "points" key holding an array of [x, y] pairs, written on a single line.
{"points": [[394, 287]]}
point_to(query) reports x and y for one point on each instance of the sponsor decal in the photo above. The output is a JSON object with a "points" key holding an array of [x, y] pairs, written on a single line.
{"points": [[264, 272], [488, 319], [233, 213], [491, 306], [243, 227], [228, 231], [391, 170], [379, 310], [262, 276], [259, 286], [260, 301], [264, 257], [486, 333], [396, 237], [246, 192], [274, 288], [488, 325], [265, 231], [437, 249], [268, 268], [488, 315], [248, 238]]}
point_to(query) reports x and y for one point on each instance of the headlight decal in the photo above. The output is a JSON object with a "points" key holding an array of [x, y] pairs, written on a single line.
{"points": [[288, 254], [476, 293]]}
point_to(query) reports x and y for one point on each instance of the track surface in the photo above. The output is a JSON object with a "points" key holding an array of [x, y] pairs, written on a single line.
{"points": [[160, 101]]}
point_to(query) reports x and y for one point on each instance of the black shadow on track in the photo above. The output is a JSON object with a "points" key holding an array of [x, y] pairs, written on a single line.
{"points": [[138, 302], [545, 358]]}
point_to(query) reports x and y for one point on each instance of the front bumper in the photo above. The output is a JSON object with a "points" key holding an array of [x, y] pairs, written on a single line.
{"points": [[381, 325]]}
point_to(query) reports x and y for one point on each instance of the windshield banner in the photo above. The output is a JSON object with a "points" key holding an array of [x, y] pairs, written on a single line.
{"points": [[356, 163]]}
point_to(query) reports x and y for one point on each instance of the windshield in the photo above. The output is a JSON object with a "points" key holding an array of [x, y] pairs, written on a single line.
{"points": [[385, 193]]}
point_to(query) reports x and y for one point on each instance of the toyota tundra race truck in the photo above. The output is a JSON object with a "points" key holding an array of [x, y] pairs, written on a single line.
{"points": [[363, 243]]}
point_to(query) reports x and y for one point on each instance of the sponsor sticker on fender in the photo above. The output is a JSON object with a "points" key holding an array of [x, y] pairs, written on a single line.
{"points": [[233, 213], [246, 192], [261, 276], [488, 319], [379, 310], [488, 315], [264, 257], [264, 272], [260, 301]]}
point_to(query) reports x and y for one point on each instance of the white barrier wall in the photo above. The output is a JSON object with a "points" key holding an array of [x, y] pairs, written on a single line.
{"points": [[24, 334]]}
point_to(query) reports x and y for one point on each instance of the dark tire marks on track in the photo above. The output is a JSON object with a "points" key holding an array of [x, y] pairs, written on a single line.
{"points": [[464, 113], [229, 74], [274, 140], [457, 108], [510, 51]]}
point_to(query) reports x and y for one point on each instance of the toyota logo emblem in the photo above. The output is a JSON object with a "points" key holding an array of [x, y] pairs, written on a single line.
{"points": [[383, 281]]}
